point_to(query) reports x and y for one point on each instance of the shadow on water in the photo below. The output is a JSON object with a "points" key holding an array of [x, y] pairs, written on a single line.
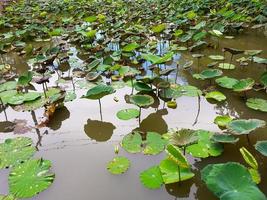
{"points": [[59, 116], [99, 130], [154, 122], [6, 126]]}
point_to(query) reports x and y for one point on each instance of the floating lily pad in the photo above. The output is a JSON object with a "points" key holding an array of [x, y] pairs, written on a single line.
{"points": [[170, 172], [141, 100], [226, 66], [257, 104], [30, 178], [130, 47], [132, 142], [261, 146], [187, 90], [222, 120], [216, 95], [9, 85], [243, 126], [226, 82], [157, 59], [70, 96], [127, 114], [154, 143], [243, 85], [118, 165], [140, 86], [224, 138], [216, 57], [15, 151], [208, 74], [231, 181], [151, 178], [206, 146]]}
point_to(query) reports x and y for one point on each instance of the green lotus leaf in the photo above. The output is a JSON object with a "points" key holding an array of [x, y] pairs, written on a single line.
{"points": [[154, 143], [231, 181], [216, 95], [9, 85], [252, 52], [158, 28], [216, 57], [260, 60], [255, 175], [118, 165], [226, 82], [99, 91], [224, 138], [249, 158], [151, 178], [132, 142], [206, 146], [157, 59], [261, 146], [243, 85], [208, 74], [30, 178], [127, 114], [263, 79], [92, 76], [175, 154], [187, 90], [15, 151], [257, 104], [183, 137], [170, 172], [141, 100], [70, 96], [140, 86], [6, 95], [243, 126], [226, 66], [25, 78], [9, 197], [130, 47], [222, 120], [31, 96]]}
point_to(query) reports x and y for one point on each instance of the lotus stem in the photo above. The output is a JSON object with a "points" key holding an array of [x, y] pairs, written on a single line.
{"points": [[232, 55], [73, 84], [100, 108], [184, 150], [223, 58], [139, 118], [4, 108], [44, 90], [198, 111], [198, 65], [179, 173], [248, 139], [132, 85]]}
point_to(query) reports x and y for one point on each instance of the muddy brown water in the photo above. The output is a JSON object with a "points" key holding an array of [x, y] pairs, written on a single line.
{"points": [[80, 145]]}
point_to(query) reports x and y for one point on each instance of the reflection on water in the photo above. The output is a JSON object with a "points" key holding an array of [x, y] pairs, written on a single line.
{"points": [[154, 122], [99, 130], [60, 115], [6, 126]]}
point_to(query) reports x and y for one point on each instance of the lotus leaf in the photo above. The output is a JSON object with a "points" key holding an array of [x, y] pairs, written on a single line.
{"points": [[257, 104], [15, 151], [151, 178], [170, 172], [216, 95], [118, 165], [206, 146], [231, 181], [243, 126], [261, 146], [127, 114], [30, 178]]}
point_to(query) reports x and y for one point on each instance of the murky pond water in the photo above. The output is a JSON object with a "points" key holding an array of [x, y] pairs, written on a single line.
{"points": [[79, 144]]}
